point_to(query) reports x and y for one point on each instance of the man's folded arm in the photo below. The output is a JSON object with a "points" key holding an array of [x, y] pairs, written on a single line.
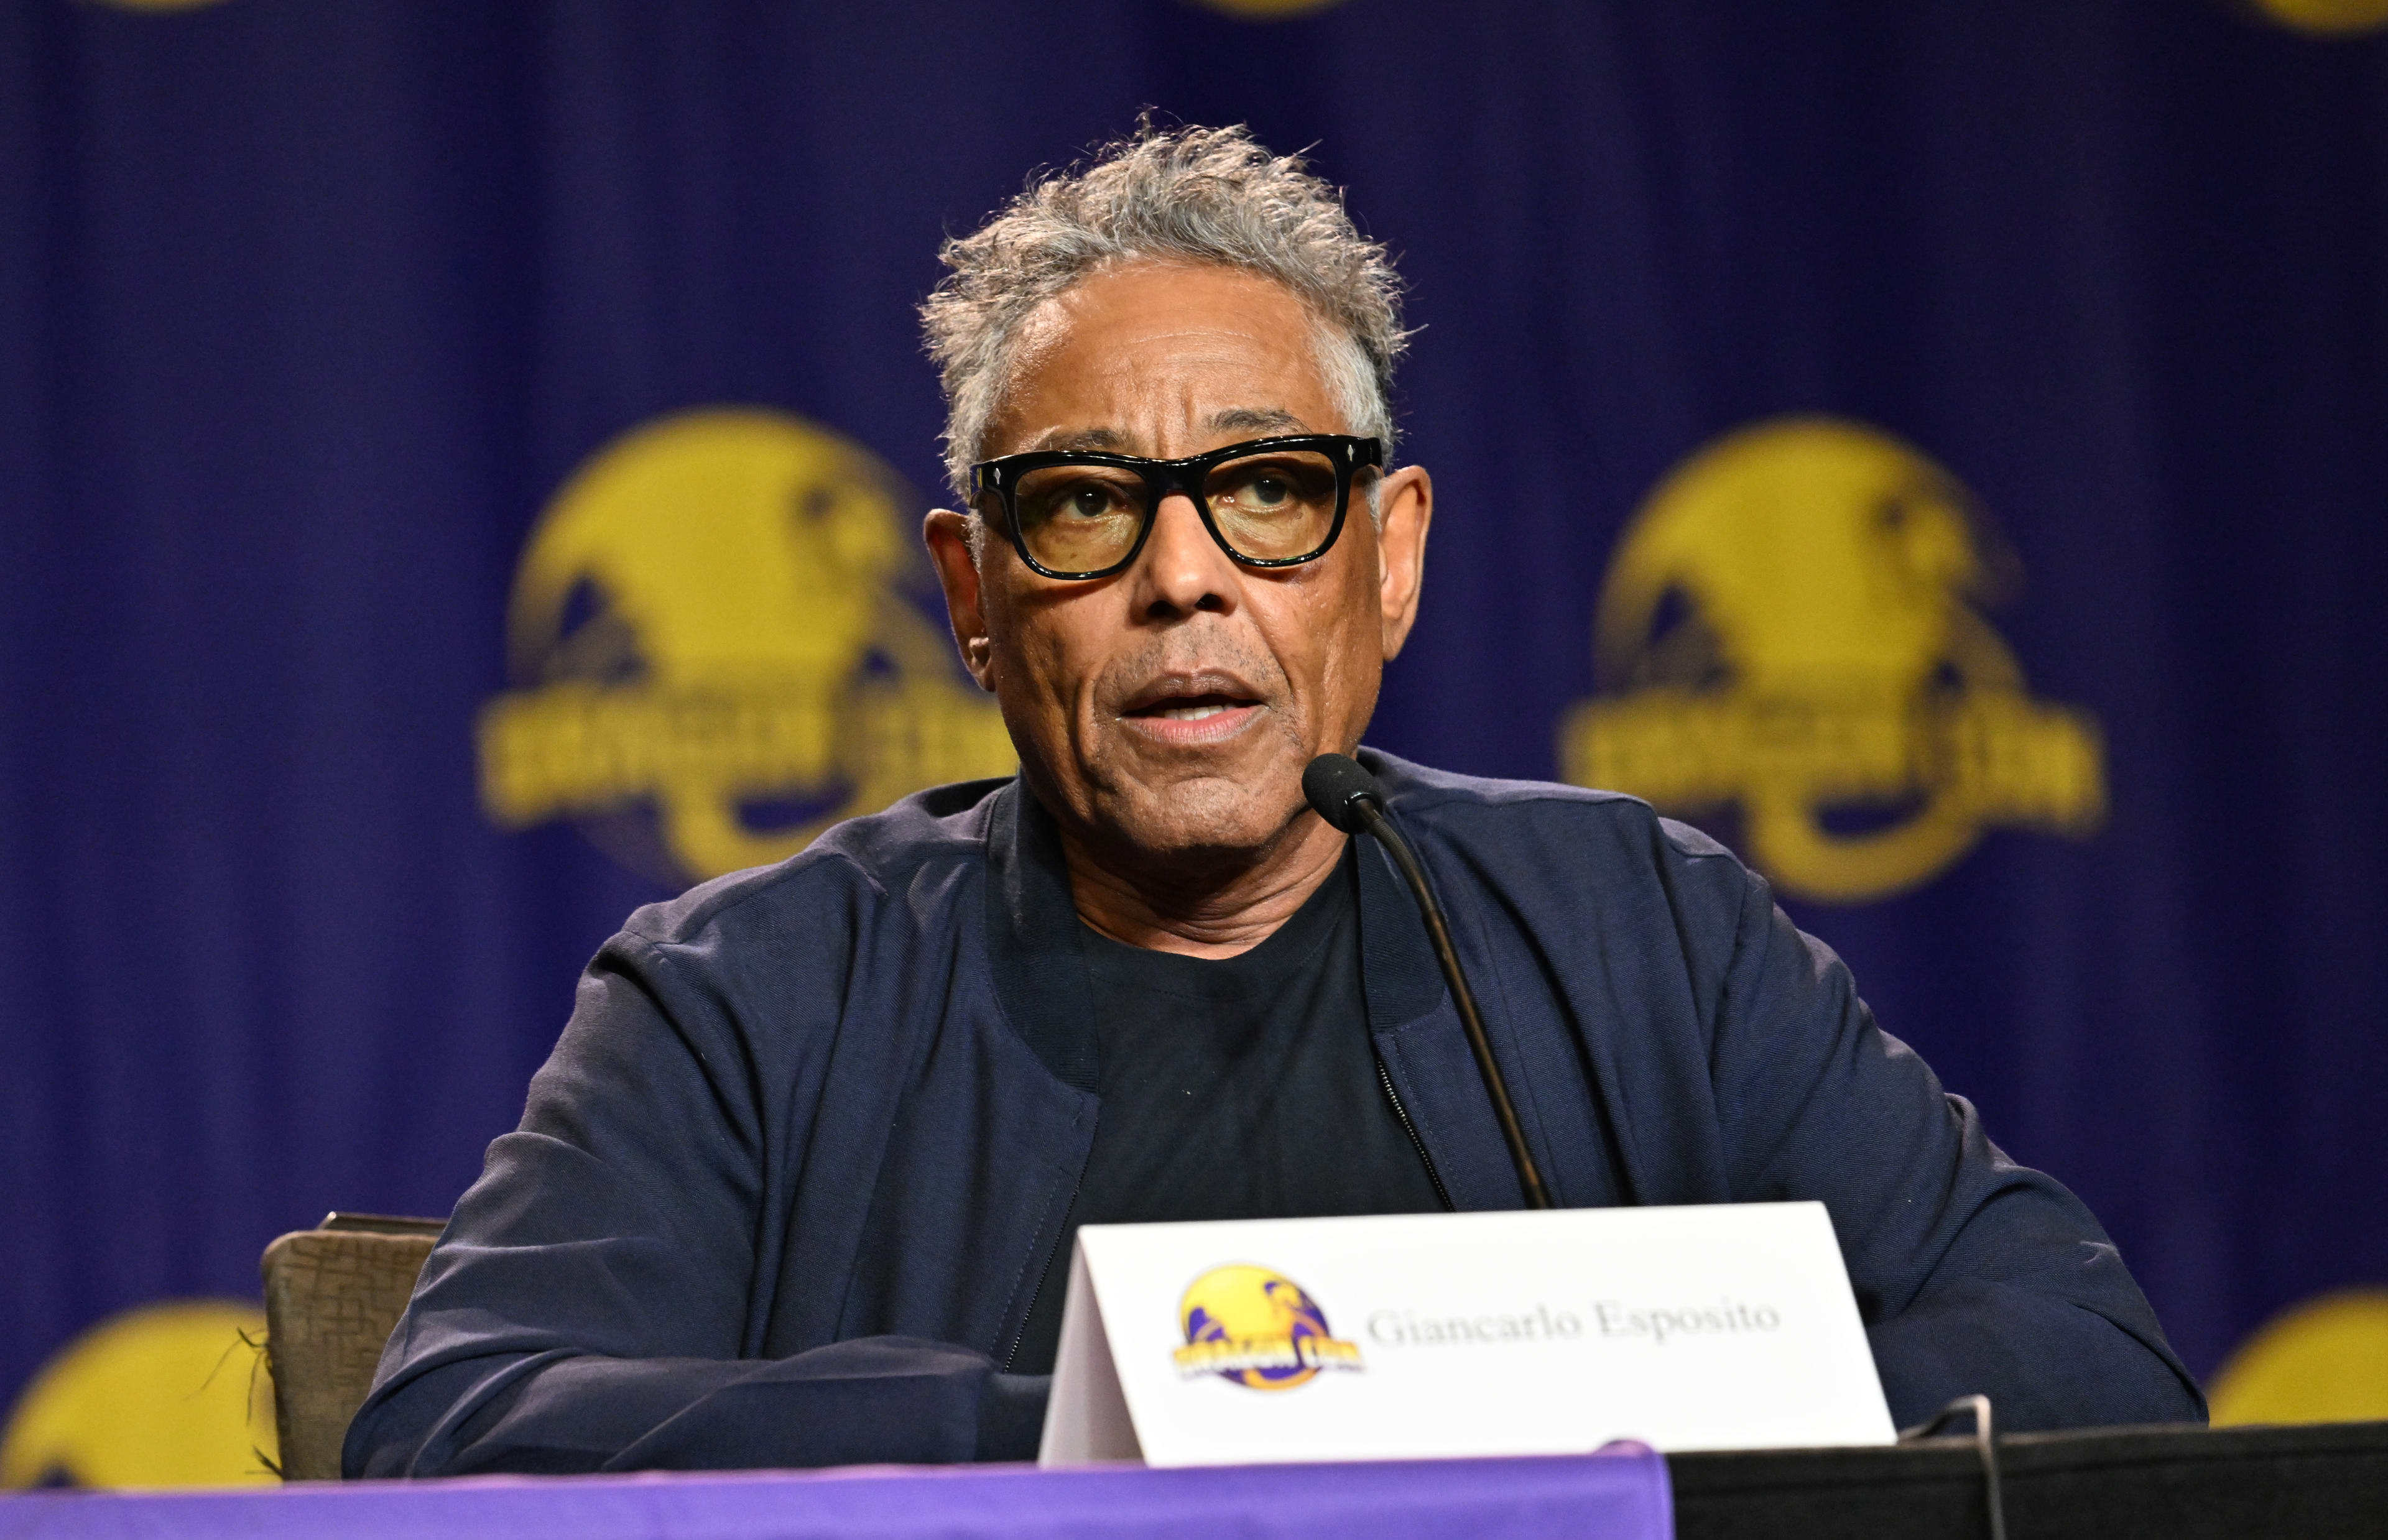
{"points": [[588, 1308], [868, 1401], [1974, 1274]]}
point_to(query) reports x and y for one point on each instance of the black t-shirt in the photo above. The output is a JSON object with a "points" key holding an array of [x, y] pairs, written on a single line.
{"points": [[1244, 1087]]}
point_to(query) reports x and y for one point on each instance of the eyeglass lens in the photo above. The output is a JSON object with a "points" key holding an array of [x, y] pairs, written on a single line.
{"points": [[1275, 505]]}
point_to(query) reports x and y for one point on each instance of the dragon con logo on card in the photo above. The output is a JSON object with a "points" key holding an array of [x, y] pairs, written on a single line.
{"points": [[1258, 1329]]}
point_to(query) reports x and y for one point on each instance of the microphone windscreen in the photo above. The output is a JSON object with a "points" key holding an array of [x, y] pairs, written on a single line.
{"points": [[1335, 783]]}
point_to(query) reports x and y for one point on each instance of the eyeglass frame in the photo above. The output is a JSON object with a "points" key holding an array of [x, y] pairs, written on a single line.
{"points": [[1348, 453]]}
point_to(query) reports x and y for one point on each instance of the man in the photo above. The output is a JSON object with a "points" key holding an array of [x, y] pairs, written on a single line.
{"points": [[799, 1184]]}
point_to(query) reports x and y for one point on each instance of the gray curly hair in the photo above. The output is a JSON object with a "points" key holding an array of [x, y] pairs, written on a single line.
{"points": [[1188, 194]]}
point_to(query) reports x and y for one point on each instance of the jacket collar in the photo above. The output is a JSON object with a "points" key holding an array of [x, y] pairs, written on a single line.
{"points": [[1033, 942]]}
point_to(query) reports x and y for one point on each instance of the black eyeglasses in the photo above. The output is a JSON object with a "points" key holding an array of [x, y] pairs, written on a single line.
{"points": [[1269, 502]]}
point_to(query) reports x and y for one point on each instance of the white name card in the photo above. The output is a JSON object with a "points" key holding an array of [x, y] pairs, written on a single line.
{"points": [[1421, 1336]]}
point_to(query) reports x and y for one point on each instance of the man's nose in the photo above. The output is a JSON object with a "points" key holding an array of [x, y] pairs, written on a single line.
{"points": [[1183, 570]]}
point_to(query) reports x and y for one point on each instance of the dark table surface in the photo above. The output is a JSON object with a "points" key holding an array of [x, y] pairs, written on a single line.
{"points": [[2313, 1482]]}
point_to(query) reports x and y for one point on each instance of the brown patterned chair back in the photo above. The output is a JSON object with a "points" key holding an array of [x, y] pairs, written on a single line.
{"points": [[333, 1295]]}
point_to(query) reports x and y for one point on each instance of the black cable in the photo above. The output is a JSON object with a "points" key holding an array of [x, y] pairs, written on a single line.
{"points": [[1986, 1444], [1343, 793]]}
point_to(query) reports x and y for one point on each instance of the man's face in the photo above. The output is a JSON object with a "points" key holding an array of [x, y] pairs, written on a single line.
{"points": [[1170, 708]]}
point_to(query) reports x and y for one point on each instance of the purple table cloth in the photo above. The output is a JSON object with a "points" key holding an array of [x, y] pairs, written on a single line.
{"points": [[1619, 1494]]}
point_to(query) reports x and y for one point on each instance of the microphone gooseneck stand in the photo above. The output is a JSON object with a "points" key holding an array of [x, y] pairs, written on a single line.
{"points": [[1344, 794]]}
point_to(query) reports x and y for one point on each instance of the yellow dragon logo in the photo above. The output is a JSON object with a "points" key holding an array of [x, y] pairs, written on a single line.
{"points": [[1789, 626], [713, 658]]}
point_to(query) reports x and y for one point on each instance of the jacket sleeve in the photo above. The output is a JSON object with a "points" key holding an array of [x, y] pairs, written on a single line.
{"points": [[1974, 1274], [587, 1308]]}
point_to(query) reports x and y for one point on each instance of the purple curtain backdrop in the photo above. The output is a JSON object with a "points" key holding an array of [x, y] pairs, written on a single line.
{"points": [[308, 307]]}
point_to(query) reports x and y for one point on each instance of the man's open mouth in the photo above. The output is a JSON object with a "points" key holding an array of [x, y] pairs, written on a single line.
{"points": [[1190, 707], [1190, 710]]}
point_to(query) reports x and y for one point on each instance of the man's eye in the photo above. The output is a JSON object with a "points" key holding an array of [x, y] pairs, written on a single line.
{"points": [[1090, 500], [1263, 488]]}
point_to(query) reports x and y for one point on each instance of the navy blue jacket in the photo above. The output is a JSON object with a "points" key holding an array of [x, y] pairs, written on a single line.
{"points": [[784, 1193]]}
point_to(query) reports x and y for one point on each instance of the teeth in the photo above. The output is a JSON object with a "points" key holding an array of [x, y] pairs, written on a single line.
{"points": [[1190, 714]]}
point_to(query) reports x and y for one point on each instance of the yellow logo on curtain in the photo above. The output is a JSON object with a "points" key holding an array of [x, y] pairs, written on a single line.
{"points": [[2325, 1360], [172, 1394], [1269, 11], [713, 656], [1788, 628], [2326, 16]]}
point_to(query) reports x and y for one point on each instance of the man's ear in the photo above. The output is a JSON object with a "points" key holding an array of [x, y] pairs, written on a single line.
{"points": [[947, 535], [1406, 507]]}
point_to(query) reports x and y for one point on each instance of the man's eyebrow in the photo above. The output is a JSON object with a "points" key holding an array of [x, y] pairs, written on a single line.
{"points": [[1254, 420], [1085, 438], [1257, 420]]}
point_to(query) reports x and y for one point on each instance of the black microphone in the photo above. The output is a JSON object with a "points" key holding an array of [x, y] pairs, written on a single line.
{"points": [[1346, 795]]}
